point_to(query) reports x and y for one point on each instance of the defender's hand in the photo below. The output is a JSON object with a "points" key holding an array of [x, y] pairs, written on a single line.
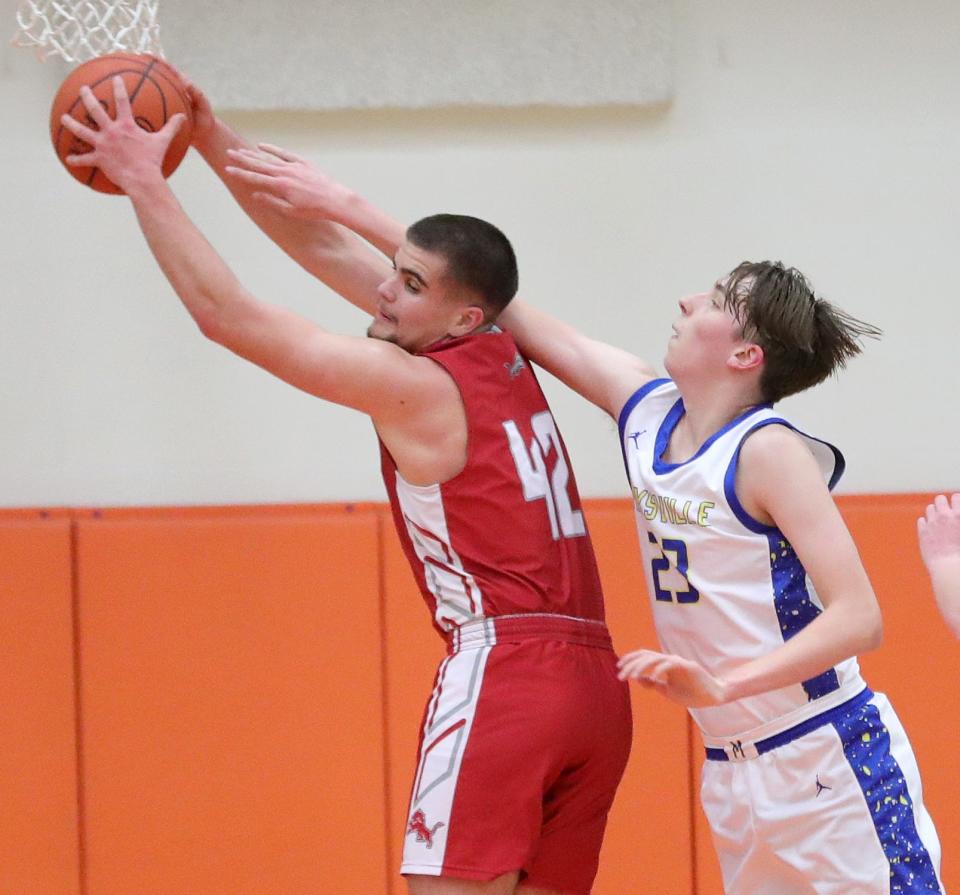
{"points": [[204, 120], [288, 183]]}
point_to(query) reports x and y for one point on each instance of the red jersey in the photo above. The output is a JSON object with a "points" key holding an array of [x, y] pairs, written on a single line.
{"points": [[506, 535]]}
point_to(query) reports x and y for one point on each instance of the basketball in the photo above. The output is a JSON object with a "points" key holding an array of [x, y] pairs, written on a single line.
{"points": [[156, 94]]}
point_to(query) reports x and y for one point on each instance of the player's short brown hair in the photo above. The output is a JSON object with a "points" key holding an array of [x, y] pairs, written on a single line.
{"points": [[479, 256], [804, 338]]}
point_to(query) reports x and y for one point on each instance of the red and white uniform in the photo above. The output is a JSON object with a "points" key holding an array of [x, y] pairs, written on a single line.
{"points": [[527, 732], [506, 535]]}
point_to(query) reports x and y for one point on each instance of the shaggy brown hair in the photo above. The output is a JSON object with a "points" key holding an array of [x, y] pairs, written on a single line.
{"points": [[804, 338]]}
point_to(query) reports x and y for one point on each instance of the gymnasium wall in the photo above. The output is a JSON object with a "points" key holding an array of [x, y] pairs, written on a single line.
{"points": [[822, 133], [225, 700]]}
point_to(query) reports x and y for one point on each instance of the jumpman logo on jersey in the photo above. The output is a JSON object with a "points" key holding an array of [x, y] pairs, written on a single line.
{"points": [[821, 787], [635, 436]]}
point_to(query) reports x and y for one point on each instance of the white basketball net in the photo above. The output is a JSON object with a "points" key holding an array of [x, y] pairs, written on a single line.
{"points": [[77, 30]]}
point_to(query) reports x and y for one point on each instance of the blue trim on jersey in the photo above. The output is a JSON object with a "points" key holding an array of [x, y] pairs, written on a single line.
{"points": [[730, 484], [795, 610], [674, 415], [730, 478], [866, 744], [839, 463], [635, 399], [627, 409]]}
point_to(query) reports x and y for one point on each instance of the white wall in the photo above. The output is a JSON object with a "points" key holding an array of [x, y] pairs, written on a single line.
{"points": [[824, 133]]}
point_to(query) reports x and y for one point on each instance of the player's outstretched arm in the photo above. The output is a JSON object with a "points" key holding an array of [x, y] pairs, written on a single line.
{"points": [[374, 376], [779, 482], [328, 251], [288, 187], [287, 183], [938, 533], [603, 374]]}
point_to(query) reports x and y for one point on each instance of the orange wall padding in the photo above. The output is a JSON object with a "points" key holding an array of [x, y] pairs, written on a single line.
{"points": [[232, 692], [39, 823], [226, 700]]}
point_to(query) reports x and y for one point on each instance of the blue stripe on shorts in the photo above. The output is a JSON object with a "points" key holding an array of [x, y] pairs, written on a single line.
{"points": [[866, 744]]}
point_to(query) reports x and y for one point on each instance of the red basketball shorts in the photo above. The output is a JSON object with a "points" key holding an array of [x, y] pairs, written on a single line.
{"points": [[524, 741]]}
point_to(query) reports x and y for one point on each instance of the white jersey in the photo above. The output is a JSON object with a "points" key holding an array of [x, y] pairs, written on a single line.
{"points": [[725, 588]]}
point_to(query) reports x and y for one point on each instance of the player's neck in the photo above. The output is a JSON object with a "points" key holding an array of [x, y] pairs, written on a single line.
{"points": [[707, 410]]}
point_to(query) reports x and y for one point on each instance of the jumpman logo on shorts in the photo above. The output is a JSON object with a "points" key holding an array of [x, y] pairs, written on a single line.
{"points": [[821, 787], [635, 436]]}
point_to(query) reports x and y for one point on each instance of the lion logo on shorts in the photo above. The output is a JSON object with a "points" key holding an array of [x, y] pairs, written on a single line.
{"points": [[418, 825]]}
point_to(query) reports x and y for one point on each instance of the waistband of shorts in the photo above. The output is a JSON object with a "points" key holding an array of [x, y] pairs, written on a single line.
{"points": [[528, 626], [741, 750]]}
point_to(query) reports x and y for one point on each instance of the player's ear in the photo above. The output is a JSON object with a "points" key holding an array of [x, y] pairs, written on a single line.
{"points": [[469, 318], [749, 356]]}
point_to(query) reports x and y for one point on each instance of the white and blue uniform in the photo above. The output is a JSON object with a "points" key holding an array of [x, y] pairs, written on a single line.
{"points": [[812, 787]]}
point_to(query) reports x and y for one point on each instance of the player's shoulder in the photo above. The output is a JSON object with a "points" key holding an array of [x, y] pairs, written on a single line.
{"points": [[773, 443], [412, 380], [776, 457]]}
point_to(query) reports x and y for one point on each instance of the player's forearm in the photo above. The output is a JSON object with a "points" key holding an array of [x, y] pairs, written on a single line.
{"points": [[213, 147], [296, 238], [601, 373], [323, 248], [353, 211], [205, 284], [373, 224], [542, 337], [347, 266], [839, 632], [551, 344]]}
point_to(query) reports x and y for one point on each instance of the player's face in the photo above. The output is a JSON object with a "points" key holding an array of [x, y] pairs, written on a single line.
{"points": [[417, 306], [704, 335]]}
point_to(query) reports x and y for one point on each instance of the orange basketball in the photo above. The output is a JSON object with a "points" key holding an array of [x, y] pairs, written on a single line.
{"points": [[156, 95]]}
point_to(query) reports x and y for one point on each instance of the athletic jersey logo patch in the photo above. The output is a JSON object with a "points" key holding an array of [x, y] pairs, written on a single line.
{"points": [[418, 825], [514, 368]]}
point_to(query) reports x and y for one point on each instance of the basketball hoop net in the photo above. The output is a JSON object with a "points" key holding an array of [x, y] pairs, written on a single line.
{"points": [[77, 30]]}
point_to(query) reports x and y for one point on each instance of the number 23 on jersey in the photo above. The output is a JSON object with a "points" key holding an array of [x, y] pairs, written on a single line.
{"points": [[675, 549]]}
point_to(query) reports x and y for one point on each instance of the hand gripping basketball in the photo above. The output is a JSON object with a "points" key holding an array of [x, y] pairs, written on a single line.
{"points": [[156, 91], [124, 152]]}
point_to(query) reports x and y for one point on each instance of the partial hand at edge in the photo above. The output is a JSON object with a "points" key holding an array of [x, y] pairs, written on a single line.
{"points": [[938, 531]]}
